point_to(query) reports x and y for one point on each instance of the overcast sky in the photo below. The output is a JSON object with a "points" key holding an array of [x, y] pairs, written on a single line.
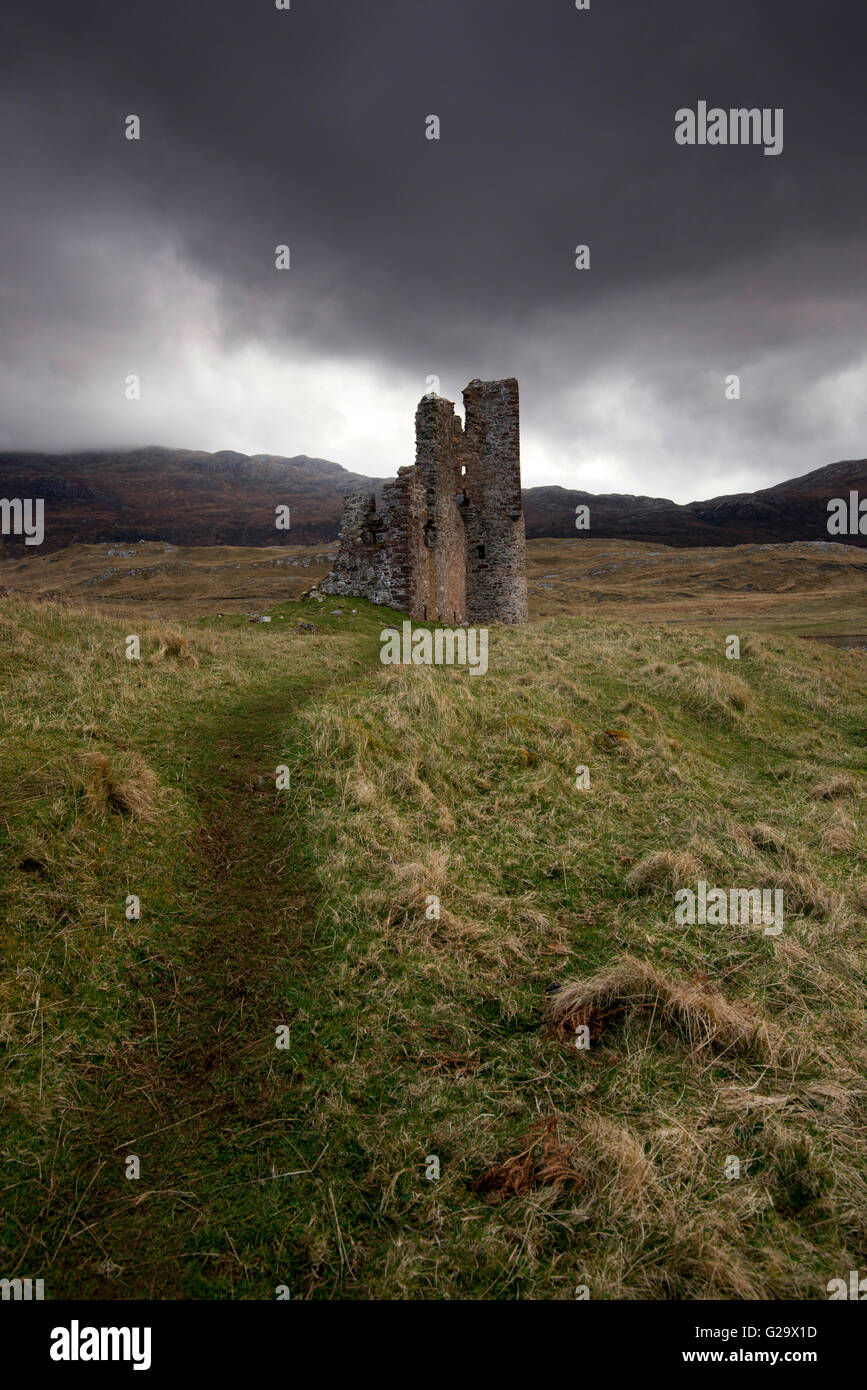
{"points": [[413, 257]]}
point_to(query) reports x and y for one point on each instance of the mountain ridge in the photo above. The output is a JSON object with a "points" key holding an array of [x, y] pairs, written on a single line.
{"points": [[196, 497]]}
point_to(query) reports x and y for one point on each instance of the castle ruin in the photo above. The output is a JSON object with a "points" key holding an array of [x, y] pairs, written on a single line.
{"points": [[448, 544]]}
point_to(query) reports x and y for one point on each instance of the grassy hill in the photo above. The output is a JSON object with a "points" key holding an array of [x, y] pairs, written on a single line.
{"points": [[420, 1030]]}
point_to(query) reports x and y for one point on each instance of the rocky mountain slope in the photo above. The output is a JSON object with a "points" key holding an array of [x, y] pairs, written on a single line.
{"points": [[195, 498], [181, 496], [791, 511]]}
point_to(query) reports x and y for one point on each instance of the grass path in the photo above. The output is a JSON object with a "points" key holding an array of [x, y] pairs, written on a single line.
{"points": [[199, 1091]]}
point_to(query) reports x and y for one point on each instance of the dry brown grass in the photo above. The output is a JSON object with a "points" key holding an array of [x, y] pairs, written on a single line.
{"points": [[711, 693], [803, 891], [705, 1018], [184, 583], [839, 836], [835, 787], [767, 837], [129, 786], [544, 1161], [637, 581], [173, 645], [14, 637], [664, 869]]}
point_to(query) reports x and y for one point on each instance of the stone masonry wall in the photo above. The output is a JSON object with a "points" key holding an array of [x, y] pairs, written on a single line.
{"points": [[496, 570], [404, 553], [438, 461], [358, 567]]}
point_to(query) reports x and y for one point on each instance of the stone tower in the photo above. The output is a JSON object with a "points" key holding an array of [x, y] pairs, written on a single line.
{"points": [[438, 467], [448, 545], [496, 548]]}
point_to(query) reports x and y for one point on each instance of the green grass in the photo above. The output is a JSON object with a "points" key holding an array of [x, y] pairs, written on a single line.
{"points": [[411, 1035]]}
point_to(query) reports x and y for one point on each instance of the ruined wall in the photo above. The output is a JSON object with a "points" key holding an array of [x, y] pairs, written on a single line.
{"points": [[380, 552], [438, 461], [403, 551], [358, 567], [448, 543], [496, 565]]}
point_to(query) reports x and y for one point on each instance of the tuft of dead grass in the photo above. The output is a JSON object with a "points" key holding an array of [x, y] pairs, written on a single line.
{"points": [[131, 789], [767, 837], [709, 693], [664, 869], [803, 892], [175, 646], [838, 836], [362, 791], [543, 1161], [635, 986], [842, 784]]}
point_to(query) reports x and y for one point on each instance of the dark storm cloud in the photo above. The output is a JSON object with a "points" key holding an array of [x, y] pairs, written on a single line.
{"points": [[454, 256]]}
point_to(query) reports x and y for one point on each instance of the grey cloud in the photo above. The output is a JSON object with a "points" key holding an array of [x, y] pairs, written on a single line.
{"points": [[455, 257]]}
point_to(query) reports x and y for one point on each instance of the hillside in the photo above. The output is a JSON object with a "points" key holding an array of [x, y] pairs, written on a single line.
{"points": [[181, 496], [791, 511], [198, 499], [419, 1027]]}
